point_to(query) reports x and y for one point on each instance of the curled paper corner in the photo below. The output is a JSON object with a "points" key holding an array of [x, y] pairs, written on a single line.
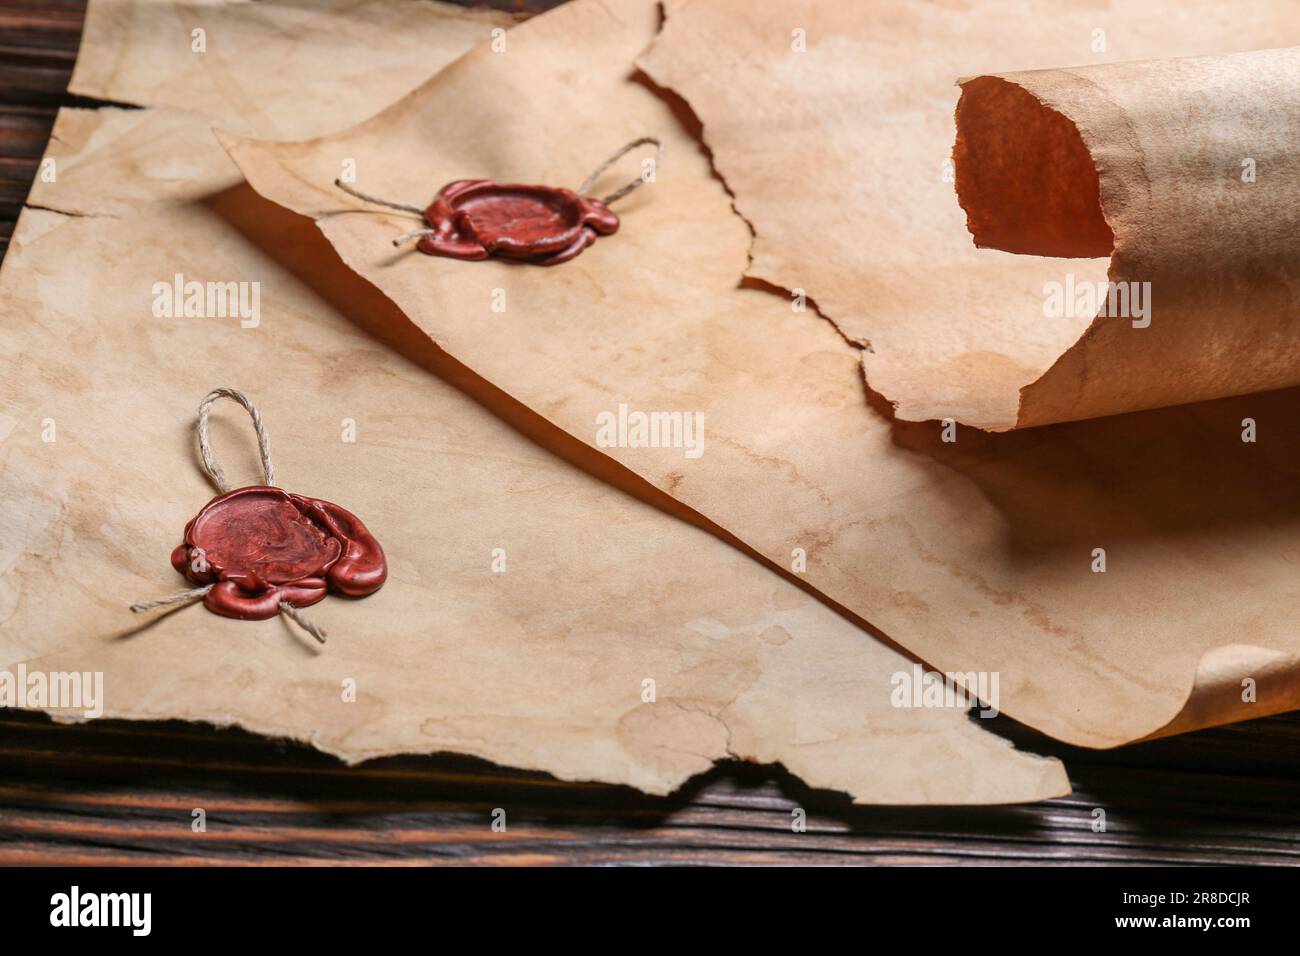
{"points": [[1236, 682], [1155, 165], [1230, 683]]}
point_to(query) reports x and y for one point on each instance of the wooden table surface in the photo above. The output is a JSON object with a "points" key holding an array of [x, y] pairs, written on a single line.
{"points": [[116, 792]]}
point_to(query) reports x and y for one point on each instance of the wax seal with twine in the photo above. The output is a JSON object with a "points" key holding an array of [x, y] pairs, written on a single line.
{"points": [[545, 225], [259, 551]]}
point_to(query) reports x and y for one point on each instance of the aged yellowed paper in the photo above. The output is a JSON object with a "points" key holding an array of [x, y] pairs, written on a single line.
{"points": [[1104, 568], [535, 615]]}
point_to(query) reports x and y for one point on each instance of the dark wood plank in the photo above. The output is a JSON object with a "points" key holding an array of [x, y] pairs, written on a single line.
{"points": [[38, 47], [121, 792]]}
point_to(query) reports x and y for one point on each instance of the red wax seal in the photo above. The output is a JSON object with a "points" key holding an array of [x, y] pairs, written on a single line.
{"points": [[260, 545], [477, 218]]}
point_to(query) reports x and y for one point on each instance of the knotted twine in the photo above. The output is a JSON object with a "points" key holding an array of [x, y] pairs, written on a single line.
{"points": [[583, 190], [218, 478]]}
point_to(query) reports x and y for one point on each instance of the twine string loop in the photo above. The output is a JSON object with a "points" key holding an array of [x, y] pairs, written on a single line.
{"points": [[210, 465], [619, 193]]}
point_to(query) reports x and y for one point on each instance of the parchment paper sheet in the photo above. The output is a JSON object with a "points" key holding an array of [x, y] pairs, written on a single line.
{"points": [[542, 666], [290, 68], [840, 157], [978, 555]]}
